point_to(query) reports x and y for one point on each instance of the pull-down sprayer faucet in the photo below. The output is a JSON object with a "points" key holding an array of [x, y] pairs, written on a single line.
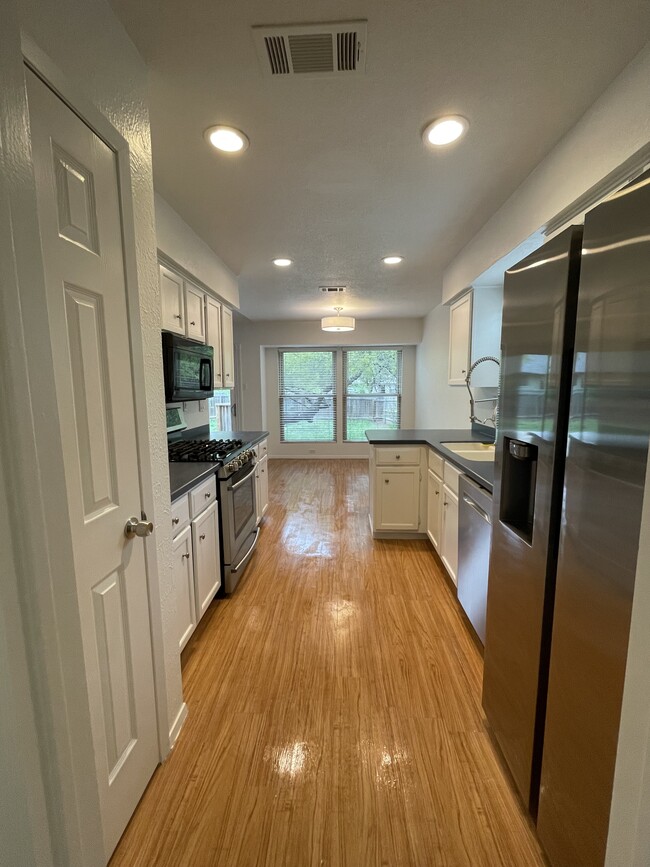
{"points": [[472, 415]]}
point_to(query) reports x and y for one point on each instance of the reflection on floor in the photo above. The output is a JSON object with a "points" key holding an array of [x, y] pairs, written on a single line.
{"points": [[334, 708]]}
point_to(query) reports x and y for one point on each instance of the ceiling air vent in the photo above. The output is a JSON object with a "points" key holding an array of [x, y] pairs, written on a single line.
{"points": [[312, 49], [332, 290]]}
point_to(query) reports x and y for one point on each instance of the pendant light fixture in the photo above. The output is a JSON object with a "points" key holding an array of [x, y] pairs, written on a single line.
{"points": [[338, 322]]}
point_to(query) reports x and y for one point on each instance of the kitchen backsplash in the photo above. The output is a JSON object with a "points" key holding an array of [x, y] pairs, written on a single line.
{"points": [[195, 411]]}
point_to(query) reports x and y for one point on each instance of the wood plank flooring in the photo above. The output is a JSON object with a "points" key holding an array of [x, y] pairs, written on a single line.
{"points": [[334, 708]]}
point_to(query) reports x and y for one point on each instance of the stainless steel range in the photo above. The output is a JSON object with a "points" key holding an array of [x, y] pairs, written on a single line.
{"points": [[237, 506]]}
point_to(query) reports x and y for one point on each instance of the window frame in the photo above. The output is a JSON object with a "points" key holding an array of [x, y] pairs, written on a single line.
{"points": [[332, 351], [345, 350]]}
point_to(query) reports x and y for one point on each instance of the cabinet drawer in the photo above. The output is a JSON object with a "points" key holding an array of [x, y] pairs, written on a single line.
{"points": [[202, 496], [436, 463], [180, 514], [451, 476], [261, 449], [394, 456]]}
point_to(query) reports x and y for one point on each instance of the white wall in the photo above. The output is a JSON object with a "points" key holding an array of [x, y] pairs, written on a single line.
{"points": [[438, 405], [254, 336], [181, 244], [82, 43], [615, 127]]}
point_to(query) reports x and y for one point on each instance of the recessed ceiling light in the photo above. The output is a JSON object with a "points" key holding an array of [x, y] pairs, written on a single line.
{"points": [[283, 263], [392, 260], [227, 138], [445, 130]]}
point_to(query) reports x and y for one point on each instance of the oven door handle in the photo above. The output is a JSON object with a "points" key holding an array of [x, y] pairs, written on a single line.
{"points": [[241, 481], [236, 568]]}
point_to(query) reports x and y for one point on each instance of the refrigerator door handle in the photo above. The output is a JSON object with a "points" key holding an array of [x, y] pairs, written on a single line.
{"points": [[476, 508]]}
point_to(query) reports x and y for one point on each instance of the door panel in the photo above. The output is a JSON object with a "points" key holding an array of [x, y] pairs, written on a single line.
{"points": [[398, 491], [207, 562], [173, 301], [81, 238]]}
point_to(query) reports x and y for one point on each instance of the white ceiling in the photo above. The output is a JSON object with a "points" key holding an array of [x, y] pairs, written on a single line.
{"points": [[336, 175]]}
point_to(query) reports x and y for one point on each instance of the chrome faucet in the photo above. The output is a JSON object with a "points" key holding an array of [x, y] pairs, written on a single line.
{"points": [[472, 415]]}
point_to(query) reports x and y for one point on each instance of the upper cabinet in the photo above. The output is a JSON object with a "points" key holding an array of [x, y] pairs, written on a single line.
{"points": [[172, 296], [487, 312], [188, 310], [213, 337], [228, 348], [460, 331], [194, 313]]}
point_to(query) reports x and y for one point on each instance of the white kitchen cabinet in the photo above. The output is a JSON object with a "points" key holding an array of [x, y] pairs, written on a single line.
{"points": [[397, 498], [183, 577], [228, 348], [172, 296], [262, 486], [460, 332], [194, 313], [449, 532], [434, 508], [213, 337], [207, 562]]}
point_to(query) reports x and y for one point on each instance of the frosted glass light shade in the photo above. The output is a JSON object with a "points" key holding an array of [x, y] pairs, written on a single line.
{"points": [[337, 323]]}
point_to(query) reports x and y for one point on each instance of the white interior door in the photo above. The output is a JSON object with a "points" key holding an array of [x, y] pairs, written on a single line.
{"points": [[81, 236]]}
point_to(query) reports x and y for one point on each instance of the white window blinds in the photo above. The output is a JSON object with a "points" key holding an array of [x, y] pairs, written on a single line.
{"points": [[307, 395]]}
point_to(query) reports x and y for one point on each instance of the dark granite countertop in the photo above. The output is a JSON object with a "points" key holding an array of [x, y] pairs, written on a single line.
{"points": [[481, 471], [183, 476]]}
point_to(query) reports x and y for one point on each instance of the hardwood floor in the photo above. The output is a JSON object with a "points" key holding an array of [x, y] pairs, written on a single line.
{"points": [[334, 708]]}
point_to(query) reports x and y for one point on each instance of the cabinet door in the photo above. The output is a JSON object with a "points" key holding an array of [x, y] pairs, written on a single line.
{"points": [[449, 552], [207, 562], [183, 574], [228, 348], [434, 508], [263, 469], [213, 337], [194, 313], [172, 300], [460, 319], [397, 498]]}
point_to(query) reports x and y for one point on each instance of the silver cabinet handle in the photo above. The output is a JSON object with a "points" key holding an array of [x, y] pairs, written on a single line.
{"points": [[476, 508], [177, 316], [202, 537], [185, 557], [192, 323], [397, 457], [134, 527], [176, 521], [208, 495], [386, 481]]}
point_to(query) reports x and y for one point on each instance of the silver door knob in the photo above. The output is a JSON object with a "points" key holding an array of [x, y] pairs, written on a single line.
{"points": [[135, 527]]}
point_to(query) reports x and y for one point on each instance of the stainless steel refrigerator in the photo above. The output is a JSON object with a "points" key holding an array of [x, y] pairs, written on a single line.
{"points": [[570, 472]]}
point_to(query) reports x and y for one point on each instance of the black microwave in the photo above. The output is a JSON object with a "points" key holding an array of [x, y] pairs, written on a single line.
{"points": [[188, 369]]}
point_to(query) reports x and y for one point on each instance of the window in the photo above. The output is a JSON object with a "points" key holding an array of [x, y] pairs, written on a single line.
{"points": [[372, 380], [307, 396], [220, 410]]}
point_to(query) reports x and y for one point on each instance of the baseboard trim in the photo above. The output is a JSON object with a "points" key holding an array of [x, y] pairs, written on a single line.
{"points": [[319, 457], [175, 730]]}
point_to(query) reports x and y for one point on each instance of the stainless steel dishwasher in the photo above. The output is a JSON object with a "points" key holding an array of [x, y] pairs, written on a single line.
{"points": [[474, 537]]}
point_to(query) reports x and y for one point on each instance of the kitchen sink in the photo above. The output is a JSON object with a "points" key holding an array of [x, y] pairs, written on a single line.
{"points": [[472, 451]]}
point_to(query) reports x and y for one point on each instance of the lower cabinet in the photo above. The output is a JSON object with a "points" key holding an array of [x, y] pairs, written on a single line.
{"points": [[397, 498], [262, 486], [183, 575], [434, 508], [449, 532], [207, 562]]}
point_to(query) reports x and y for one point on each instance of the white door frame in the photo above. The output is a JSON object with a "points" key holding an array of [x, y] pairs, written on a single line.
{"points": [[43, 573]]}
